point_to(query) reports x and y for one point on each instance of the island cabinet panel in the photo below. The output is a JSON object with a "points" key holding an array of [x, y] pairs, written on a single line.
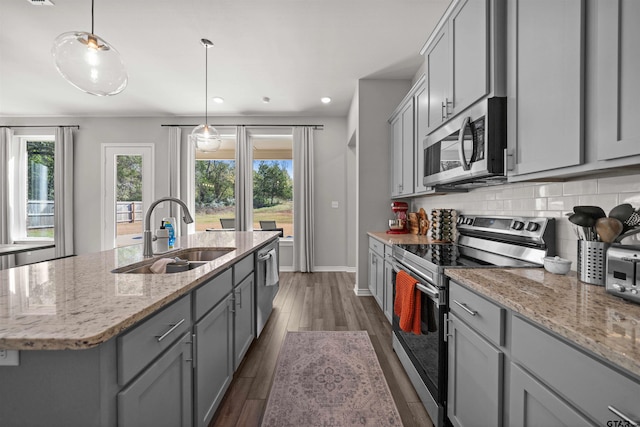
{"points": [[592, 386], [212, 292], [161, 396], [242, 269], [243, 319], [531, 404], [138, 347], [617, 78], [213, 369], [546, 84]]}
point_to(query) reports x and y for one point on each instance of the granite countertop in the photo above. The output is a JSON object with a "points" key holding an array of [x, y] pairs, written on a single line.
{"points": [[78, 303], [399, 239], [584, 314]]}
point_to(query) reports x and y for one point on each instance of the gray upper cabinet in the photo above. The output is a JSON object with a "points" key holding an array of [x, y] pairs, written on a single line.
{"points": [[464, 59], [421, 105], [617, 41], [546, 79], [402, 150]]}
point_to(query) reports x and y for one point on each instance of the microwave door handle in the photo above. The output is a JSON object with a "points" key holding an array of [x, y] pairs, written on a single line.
{"points": [[463, 159]]}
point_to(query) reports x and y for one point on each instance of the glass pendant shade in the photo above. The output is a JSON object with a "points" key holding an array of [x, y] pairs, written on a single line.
{"points": [[206, 138], [89, 63]]}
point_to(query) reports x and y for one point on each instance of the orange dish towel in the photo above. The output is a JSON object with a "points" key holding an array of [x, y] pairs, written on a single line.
{"points": [[408, 305]]}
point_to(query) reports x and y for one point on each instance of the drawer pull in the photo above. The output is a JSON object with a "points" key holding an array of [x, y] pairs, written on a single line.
{"points": [[465, 308], [622, 416], [173, 328]]}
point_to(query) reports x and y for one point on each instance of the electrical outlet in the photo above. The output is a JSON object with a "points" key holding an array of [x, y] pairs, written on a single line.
{"points": [[334, 204], [9, 358]]}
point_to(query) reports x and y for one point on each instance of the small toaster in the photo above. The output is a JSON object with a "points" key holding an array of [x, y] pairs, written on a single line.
{"points": [[623, 272]]}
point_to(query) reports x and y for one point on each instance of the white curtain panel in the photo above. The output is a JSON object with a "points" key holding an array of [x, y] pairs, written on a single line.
{"points": [[175, 136], [63, 197], [188, 177], [303, 254], [6, 194], [244, 180]]}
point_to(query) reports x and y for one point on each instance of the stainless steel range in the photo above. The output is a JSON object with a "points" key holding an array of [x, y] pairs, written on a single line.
{"points": [[483, 241]]}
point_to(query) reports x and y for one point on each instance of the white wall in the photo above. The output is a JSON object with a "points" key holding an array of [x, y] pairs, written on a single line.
{"points": [[551, 199], [330, 171]]}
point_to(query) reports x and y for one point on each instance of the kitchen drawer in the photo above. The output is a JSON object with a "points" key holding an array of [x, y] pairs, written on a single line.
{"points": [[481, 314], [212, 292], [376, 246], [138, 347], [242, 269], [589, 384]]}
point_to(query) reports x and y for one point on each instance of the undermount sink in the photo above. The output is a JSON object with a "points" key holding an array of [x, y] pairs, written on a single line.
{"points": [[196, 257]]}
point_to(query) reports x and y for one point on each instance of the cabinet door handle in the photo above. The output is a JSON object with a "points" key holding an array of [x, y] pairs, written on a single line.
{"points": [[622, 416], [443, 111], [239, 300], [465, 308], [173, 328], [193, 350], [447, 103]]}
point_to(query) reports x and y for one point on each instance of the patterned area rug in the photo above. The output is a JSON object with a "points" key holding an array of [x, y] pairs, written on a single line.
{"points": [[332, 379]]}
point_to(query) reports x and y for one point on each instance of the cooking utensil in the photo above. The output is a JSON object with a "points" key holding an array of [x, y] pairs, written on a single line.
{"points": [[622, 212], [593, 211], [625, 234], [608, 229], [582, 219]]}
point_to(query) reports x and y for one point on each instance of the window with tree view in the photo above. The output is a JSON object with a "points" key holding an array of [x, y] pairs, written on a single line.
{"points": [[39, 189]]}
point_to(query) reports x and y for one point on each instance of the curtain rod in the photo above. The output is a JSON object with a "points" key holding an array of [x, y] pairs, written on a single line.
{"points": [[317, 127], [40, 126]]}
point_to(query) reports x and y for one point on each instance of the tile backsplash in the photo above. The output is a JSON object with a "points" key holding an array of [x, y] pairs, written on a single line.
{"points": [[548, 199]]}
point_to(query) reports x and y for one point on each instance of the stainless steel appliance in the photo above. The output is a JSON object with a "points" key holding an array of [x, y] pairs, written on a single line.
{"points": [[623, 273], [265, 294], [469, 151], [483, 242]]}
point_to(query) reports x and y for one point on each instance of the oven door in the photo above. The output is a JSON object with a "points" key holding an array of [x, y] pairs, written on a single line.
{"points": [[427, 351]]}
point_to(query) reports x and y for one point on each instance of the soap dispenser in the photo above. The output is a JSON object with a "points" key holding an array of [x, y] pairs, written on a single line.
{"points": [[162, 239]]}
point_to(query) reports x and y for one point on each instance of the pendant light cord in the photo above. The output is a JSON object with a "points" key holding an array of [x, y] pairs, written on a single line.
{"points": [[92, 17], [206, 84]]}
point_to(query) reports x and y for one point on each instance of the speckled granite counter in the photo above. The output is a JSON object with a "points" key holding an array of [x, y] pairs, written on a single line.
{"points": [[584, 314], [78, 303], [397, 239]]}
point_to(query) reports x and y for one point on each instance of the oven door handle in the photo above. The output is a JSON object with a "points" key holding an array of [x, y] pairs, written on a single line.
{"points": [[426, 287]]}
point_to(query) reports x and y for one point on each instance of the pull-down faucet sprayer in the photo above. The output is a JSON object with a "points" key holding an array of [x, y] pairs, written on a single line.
{"points": [[147, 235]]}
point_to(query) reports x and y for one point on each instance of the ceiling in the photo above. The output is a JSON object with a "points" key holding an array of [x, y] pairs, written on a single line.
{"points": [[292, 51]]}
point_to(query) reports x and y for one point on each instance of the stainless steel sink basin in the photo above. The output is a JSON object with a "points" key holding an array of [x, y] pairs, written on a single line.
{"points": [[196, 257]]}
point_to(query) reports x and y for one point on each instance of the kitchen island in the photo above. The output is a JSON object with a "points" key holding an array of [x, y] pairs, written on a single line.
{"points": [[92, 343]]}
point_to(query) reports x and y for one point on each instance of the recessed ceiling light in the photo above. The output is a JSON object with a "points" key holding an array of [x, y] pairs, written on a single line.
{"points": [[218, 100], [325, 99], [266, 99]]}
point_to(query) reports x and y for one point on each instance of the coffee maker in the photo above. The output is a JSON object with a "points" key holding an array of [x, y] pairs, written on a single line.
{"points": [[398, 225]]}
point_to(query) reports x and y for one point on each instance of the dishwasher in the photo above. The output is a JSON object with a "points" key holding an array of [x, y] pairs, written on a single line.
{"points": [[265, 294]]}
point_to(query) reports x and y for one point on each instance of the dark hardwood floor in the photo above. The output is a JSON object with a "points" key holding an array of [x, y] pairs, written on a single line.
{"points": [[307, 302]]}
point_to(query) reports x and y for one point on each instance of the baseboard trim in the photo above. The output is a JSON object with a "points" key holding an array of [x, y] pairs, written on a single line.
{"points": [[362, 292], [320, 269]]}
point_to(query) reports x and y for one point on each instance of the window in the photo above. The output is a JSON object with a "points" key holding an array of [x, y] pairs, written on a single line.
{"points": [[273, 181], [35, 190], [215, 181]]}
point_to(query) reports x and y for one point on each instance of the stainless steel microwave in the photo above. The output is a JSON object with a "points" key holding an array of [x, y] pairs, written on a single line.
{"points": [[469, 151]]}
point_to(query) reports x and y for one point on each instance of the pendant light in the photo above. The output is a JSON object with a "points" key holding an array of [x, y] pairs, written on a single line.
{"points": [[89, 62], [206, 137]]}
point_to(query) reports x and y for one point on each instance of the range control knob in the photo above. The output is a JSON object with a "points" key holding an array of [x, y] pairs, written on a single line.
{"points": [[460, 219], [532, 226], [619, 288], [468, 221], [517, 225]]}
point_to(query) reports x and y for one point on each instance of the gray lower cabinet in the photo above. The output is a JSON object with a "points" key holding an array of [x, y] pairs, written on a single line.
{"points": [[388, 290], [474, 379], [162, 394], [243, 319], [380, 276], [532, 404], [213, 368]]}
